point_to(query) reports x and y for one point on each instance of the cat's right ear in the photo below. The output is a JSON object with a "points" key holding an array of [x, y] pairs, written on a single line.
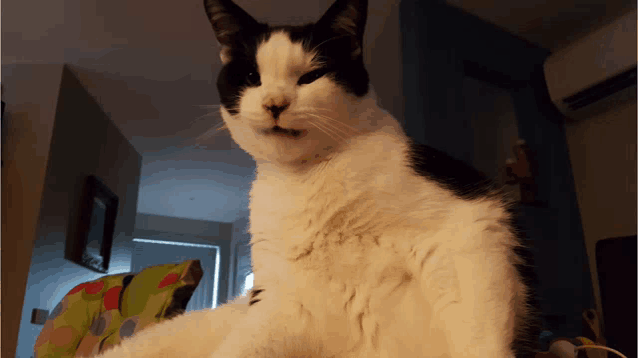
{"points": [[229, 21]]}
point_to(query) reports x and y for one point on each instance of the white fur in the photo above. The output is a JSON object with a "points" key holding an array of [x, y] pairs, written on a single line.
{"points": [[358, 256]]}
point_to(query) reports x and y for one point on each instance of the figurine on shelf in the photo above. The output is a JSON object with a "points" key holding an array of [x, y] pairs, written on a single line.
{"points": [[520, 171]]}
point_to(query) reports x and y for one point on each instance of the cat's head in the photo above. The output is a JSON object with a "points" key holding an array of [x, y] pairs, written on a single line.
{"points": [[290, 94]]}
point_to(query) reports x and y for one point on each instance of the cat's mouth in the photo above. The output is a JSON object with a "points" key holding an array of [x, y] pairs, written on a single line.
{"points": [[285, 132]]}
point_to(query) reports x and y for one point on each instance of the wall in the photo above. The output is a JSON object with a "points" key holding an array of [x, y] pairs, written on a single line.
{"points": [[84, 141], [155, 227], [31, 94], [242, 265], [195, 183], [603, 155], [383, 54], [495, 128]]}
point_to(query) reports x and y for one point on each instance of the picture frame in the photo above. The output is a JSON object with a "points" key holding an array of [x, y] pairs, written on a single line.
{"points": [[96, 225]]}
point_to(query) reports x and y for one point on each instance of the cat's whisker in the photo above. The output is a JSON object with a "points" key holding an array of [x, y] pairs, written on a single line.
{"points": [[205, 115], [333, 121], [324, 116], [220, 125], [202, 120], [207, 105], [330, 39], [336, 129], [340, 135], [323, 130], [344, 125], [213, 131], [310, 109], [330, 132], [343, 133], [327, 124], [251, 114]]}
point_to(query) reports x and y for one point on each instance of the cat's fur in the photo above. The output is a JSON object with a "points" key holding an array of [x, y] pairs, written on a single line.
{"points": [[363, 243]]}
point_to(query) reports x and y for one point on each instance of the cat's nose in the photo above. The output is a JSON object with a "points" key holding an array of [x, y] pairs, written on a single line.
{"points": [[277, 109]]}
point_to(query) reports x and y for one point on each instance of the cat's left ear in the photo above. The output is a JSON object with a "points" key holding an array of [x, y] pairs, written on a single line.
{"points": [[230, 23], [347, 18]]}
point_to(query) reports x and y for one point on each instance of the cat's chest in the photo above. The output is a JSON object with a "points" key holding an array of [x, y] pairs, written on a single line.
{"points": [[337, 258], [326, 212], [361, 292], [324, 247], [327, 229]]}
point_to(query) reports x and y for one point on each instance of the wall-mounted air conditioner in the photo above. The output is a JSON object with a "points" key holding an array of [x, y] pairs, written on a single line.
{"points": [[597, 72]]}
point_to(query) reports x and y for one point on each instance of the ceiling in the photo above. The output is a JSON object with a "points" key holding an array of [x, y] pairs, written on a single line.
{"points": [[549, 24], [151, 65]]}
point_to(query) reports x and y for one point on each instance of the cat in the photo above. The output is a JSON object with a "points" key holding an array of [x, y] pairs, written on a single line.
{"points": [[364, 243]]}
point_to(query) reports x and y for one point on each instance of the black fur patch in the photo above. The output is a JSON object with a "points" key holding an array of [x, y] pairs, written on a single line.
{"points": [[469, 183], [254, 293], [334, 49], [527, 340], [234, 76], [453, 174]]}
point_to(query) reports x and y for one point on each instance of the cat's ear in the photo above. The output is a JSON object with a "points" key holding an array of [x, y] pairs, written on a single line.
{"points": [[229, 21], [347, 18]]}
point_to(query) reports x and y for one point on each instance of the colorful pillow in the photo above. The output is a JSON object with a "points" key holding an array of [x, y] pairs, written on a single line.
{"points": [[96, 315]]}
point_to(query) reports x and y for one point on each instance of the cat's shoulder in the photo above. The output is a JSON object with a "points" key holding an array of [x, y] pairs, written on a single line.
{"points": [[453, 174]]}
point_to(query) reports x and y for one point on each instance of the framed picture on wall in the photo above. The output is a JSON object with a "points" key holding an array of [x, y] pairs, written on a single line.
{"points": [[94, 240]]}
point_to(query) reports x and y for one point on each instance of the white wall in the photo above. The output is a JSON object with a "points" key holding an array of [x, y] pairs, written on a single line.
{"points": [[603, 155], [83, 142], [31, 94], [241, 254]]}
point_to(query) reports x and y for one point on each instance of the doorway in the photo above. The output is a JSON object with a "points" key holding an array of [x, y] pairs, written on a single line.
{"points": [[159, 252]]}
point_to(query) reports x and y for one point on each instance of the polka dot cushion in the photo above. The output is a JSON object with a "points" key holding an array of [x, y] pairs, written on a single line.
{"points": [[99, 314]]}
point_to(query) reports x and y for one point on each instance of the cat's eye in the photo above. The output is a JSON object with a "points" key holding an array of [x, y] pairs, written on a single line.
{"points": [[253, 78], [312, 76]]}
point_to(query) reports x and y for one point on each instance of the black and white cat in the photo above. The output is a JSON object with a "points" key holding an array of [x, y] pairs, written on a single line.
{"points": [[364, 244]]}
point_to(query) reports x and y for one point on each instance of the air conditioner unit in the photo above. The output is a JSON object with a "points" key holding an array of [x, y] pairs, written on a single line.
{"points": [[597, 72]]}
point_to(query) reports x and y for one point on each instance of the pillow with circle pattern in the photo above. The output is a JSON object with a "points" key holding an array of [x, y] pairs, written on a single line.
{"points": [[99, 314]]}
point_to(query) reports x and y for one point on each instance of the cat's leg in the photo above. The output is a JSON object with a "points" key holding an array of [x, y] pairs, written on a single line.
{"points": [[249, 337], [272, 329], [472, 296], [192, 334]]}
